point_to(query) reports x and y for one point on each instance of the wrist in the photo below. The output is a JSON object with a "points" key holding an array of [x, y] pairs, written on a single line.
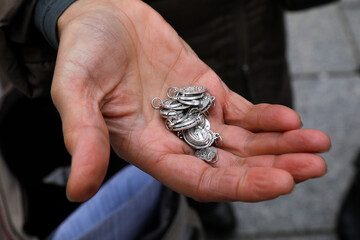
{"points": [[68, 15], [83, 8]]}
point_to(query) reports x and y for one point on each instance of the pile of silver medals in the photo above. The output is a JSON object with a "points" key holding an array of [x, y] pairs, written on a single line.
{"points": [[185, 112]]}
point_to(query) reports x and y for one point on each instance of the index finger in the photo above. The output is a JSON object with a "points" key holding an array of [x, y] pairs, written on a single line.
{"points": [[260, 117]]}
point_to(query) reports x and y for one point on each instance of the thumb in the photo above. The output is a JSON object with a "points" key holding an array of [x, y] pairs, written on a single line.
{"points": [[87, 140]]}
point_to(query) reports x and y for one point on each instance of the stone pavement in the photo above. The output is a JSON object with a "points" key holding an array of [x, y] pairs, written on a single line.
{"points": [[324, 56]]}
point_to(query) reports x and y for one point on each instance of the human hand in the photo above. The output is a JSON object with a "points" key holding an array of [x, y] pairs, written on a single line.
{"points": [[114, 58]]}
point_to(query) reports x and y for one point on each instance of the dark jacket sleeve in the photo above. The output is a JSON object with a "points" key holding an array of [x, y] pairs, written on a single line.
{"points": [[26, 59], [47, 13], [295, 5]]}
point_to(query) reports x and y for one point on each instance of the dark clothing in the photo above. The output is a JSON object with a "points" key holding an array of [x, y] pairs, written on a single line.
{"points": [[243, 41], [46, 14], [26, 59]]}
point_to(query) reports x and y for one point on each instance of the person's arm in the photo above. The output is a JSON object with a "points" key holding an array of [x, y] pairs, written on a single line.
{"points": [[113, 58]]}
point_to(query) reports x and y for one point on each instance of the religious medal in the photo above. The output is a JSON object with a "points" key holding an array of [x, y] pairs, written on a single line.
{"points": [[184, 112]]}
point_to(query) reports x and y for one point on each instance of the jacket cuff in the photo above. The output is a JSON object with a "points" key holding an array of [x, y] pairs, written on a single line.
{"points": [[47, 13]]}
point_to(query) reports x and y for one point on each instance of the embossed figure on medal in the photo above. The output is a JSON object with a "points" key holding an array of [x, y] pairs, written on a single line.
{"points": [[184, 112]]}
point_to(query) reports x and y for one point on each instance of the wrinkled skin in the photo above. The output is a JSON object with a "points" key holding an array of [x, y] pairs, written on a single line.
{"points": [[114, 58]]}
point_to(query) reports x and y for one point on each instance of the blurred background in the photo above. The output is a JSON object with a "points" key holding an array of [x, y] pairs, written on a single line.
{"points": [[324, 57]]}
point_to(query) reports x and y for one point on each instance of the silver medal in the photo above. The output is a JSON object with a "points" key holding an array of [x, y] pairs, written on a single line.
{"points": [[192, 90], [190, 97], [165, 113], [184, 112], [207, 154], [189, 122], [199, 138], [193, 102], [173, 105], [206, 103]]}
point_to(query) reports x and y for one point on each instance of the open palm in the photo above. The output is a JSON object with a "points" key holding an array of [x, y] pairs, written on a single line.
{"points": [[113, 59]]}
